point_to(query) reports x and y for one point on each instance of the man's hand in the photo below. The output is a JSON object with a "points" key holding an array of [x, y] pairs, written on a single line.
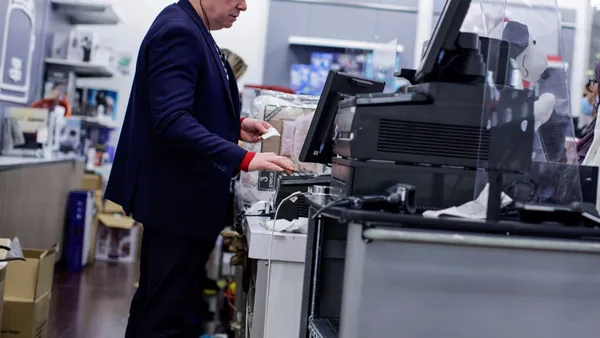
{"points": [[271, 161], [252, 129]]}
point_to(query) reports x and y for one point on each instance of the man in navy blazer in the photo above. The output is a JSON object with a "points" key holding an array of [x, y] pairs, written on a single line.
{"points": [[175, 159]]}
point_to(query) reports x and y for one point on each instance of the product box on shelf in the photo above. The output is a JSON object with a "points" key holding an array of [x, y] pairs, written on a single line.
{"points": [[300, 78], [321, 60], [82, 45], [27, 295], [98, 103], [60, 46], [71, 137]]}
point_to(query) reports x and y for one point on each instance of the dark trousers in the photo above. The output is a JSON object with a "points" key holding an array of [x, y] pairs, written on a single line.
{"points": [[168, 301]]}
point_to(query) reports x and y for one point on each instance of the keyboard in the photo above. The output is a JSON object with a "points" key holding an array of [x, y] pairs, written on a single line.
{"points": [[299, 174]]}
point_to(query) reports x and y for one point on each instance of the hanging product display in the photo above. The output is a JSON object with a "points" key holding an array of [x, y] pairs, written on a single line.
{"points": [[18, 44]]}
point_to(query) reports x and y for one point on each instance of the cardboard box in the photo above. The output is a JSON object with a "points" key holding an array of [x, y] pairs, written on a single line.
{"points": [[91, 182], [31, 279], [27, 295], [25, 318], [4, 242], [117, 238], [111, 208], [273, 144]]}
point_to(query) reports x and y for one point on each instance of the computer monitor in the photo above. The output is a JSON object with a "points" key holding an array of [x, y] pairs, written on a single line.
{"points": [[318, 145], [443, 38]]}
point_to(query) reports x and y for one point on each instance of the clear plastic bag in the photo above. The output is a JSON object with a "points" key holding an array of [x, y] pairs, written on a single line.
{"points": [[284, 111]]}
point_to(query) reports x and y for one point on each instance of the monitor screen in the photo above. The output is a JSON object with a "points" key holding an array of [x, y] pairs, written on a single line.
{"points": [[443, 38], [318, 145]]}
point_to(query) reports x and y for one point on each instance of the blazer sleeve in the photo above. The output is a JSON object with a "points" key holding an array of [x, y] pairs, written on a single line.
{"points": [[172, 71]]}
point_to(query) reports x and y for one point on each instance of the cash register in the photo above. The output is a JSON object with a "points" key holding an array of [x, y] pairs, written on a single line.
{"points": [[337, 86]]}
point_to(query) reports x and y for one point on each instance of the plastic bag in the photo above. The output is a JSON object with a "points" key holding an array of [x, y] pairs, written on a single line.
{"points": [[270, 106], [15, 252]]}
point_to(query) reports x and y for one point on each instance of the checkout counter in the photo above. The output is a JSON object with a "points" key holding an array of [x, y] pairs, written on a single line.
{"points": [[33, 198], [407, 276]]}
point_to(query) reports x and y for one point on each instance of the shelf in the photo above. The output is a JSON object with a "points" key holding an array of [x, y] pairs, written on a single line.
{"points": [[343, 44], [324, 328], [87, 12], [96, 122], [558, 65], [81, 69]]}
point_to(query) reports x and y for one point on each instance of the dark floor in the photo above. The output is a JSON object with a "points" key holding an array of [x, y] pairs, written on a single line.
{"points": [[92, 304]]}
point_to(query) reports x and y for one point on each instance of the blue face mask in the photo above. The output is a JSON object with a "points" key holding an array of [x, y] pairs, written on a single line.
{"points": [[586, 107]]}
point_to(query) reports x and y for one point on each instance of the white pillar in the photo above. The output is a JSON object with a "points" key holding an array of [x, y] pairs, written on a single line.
{"points": [[581, 51], [424, 28]]}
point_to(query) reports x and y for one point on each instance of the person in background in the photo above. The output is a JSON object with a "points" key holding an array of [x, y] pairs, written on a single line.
{"points": [[595, 86], [587, 109], [586, 139], [177, 153]]}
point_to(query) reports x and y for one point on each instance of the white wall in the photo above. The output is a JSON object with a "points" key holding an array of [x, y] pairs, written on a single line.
{"points": [[247, 38]]}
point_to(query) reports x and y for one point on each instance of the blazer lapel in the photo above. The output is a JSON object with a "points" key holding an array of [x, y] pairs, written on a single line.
{"points": [[212, 46]]}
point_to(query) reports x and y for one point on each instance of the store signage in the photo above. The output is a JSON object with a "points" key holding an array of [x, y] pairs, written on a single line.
{"points": [[267, 180], [18, 44]]}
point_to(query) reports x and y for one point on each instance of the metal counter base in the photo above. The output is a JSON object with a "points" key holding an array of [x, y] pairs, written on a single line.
{"points": [[324, 328], [428, 284], [385, 275]]}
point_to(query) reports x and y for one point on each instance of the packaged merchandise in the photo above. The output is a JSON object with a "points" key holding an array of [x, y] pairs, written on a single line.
{"points": [[301, 126], [99, 103], [351, 63], [82, 45], [287, 137], [300, 78], [318, 76], [321, 60], [282, 111]]}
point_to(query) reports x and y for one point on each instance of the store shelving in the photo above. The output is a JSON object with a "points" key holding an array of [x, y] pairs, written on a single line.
{"points": [[81, 69], [558, 65], [87, 12], [95, 122], [337, 43]]}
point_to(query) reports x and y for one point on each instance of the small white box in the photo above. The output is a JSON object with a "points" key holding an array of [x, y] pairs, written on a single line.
{"points": [[82, 45]]}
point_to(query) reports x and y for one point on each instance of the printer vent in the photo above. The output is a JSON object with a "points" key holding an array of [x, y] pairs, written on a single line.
{"points": [[433, 139], [303, 207]]}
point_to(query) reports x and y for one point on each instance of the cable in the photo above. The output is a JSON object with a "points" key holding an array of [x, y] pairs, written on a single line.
{"points": [[340, 202], [268, 288]]}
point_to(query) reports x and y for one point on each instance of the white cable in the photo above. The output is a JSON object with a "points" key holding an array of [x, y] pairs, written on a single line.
{"points": [[295, 194]]}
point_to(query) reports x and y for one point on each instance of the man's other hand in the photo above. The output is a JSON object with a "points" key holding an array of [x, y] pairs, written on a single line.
{"points": [[271, 161], [252, 129]]}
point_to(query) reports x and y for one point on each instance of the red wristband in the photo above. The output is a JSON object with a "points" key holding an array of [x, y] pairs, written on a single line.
{"points": [[246, 161]]}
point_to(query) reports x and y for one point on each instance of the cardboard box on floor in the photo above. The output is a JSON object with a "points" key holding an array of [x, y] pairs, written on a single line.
{"points": [[117, 237], [27, 295], [5, 243]]}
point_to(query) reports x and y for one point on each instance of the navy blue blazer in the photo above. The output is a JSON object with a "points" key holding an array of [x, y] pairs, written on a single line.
{"points": [[178, 147]]}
